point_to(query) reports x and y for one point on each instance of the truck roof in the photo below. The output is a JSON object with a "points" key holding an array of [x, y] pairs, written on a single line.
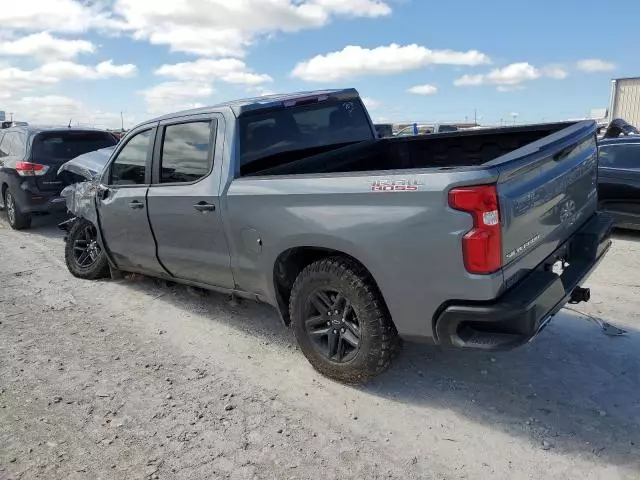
{"points": [[32, 129], [622, 139], [245, 105]]}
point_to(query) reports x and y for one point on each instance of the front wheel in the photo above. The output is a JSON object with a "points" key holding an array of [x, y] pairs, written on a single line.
{"points": [[341, 322], [83, 254]]}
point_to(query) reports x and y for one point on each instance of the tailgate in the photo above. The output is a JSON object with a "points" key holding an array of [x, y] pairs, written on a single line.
{"points": [[547, 190]]}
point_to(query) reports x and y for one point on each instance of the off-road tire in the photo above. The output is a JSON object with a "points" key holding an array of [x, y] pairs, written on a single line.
{"points": [[98, 269], [17, 220], [379, 339]]}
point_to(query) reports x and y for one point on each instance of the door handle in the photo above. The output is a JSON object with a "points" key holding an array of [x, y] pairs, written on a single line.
{"points": [[136, 204], [204, 207]]}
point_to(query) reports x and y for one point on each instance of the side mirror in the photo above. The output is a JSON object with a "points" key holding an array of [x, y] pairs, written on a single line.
{"points": [[102, 192]]}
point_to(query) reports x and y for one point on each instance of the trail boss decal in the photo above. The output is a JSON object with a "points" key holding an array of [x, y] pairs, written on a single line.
{"points": [[401, 185], [523, 247]]}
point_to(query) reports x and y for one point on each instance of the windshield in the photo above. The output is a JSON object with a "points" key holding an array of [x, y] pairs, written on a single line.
{"points": [[68, 145], [311, 128]]}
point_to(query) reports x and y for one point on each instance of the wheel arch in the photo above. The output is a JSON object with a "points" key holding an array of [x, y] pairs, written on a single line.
{"points": [[292, 261]]}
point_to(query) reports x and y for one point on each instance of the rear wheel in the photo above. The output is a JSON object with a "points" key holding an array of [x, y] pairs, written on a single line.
{"points": [[17, 219], [83, 254], [341, 322]]}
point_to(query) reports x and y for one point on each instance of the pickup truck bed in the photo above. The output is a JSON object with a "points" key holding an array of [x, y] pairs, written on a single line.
{"points": [[469, 239], [443, 151]]}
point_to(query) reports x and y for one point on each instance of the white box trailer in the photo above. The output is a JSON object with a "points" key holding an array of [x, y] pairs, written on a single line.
{"points": [[625, 100]]}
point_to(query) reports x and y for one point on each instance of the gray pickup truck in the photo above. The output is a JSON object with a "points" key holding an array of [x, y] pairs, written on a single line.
{"points": [[472, 239]]}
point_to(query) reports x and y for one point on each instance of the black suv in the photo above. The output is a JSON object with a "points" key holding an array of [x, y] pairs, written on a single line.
{"points": [[29, 162]]}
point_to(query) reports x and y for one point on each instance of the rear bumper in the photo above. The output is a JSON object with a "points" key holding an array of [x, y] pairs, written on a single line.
{"points": [[33, 200], [523, 311]]}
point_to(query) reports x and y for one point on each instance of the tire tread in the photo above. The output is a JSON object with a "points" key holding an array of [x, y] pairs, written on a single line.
{"points": [[385, 340], [98, 270]]}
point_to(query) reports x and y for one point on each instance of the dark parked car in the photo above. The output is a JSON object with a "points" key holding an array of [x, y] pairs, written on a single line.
{"points": [[619, 180], [29, 161], [620, 128], [384, 129]]}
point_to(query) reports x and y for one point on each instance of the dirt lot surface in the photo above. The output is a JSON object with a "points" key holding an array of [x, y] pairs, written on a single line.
{"points": [[131, 379]]}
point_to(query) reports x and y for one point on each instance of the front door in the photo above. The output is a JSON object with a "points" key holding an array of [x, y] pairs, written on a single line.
{"points": [[184, 200], [122, 205]]}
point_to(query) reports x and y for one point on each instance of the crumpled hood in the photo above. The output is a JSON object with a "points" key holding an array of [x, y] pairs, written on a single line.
{"points": [[89, 165], [80, 197]]}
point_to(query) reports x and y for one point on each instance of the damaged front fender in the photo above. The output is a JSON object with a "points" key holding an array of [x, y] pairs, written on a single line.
{"points": [[81, 200], [80, 197]]}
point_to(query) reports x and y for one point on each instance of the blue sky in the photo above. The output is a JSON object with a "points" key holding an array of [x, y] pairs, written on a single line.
{"points": [[542, 60]]}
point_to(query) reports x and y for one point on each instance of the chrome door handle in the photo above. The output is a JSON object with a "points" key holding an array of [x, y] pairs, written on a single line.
{"points": [[204, 207], [136, 204]]}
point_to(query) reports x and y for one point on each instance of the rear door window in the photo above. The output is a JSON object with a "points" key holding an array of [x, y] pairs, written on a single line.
{"points": [[186, 154], [12, 145], [63, 146]]}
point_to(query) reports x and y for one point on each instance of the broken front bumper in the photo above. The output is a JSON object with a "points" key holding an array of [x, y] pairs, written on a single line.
{"points": [[524, 310]]}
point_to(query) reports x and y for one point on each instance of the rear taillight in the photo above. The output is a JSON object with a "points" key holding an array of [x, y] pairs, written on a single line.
{"points": [[28, 169], [482, 246]]}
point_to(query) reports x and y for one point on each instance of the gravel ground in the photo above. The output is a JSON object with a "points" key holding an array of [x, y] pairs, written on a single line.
{"points": [[133, 379]]}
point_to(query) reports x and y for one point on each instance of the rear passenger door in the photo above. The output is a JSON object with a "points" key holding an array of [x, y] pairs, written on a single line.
{"points": [[619, 177], [184, 200], [122, 205]]}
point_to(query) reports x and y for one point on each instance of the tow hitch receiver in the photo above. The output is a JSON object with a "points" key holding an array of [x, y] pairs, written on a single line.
{"points": [[579, 295]]}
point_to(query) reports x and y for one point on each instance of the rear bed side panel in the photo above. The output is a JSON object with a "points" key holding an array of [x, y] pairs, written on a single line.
{"points": [[545, 196], [409, 241]]}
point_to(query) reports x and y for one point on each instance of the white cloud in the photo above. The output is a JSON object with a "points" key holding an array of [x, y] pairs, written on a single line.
{"points": [[169, 97], [44, 46], [64, 69], [60, 110], [192, 81], [230, 70], [370, 103], [357, 8], [509, 88], [15, 80], [223, 28], [353, 61], [423, 90], [55, 15], [557, 72], [593, 65], [512, 77], [513, 74]]}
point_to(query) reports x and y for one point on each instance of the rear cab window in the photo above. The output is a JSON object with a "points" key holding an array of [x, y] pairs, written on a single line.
{"points": [[63, 146], [288, 134]]}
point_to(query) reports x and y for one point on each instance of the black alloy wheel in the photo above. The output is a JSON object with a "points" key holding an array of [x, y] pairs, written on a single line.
{"points": [[341, 322], [86, 249], [83, 254], [332, 325]]}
